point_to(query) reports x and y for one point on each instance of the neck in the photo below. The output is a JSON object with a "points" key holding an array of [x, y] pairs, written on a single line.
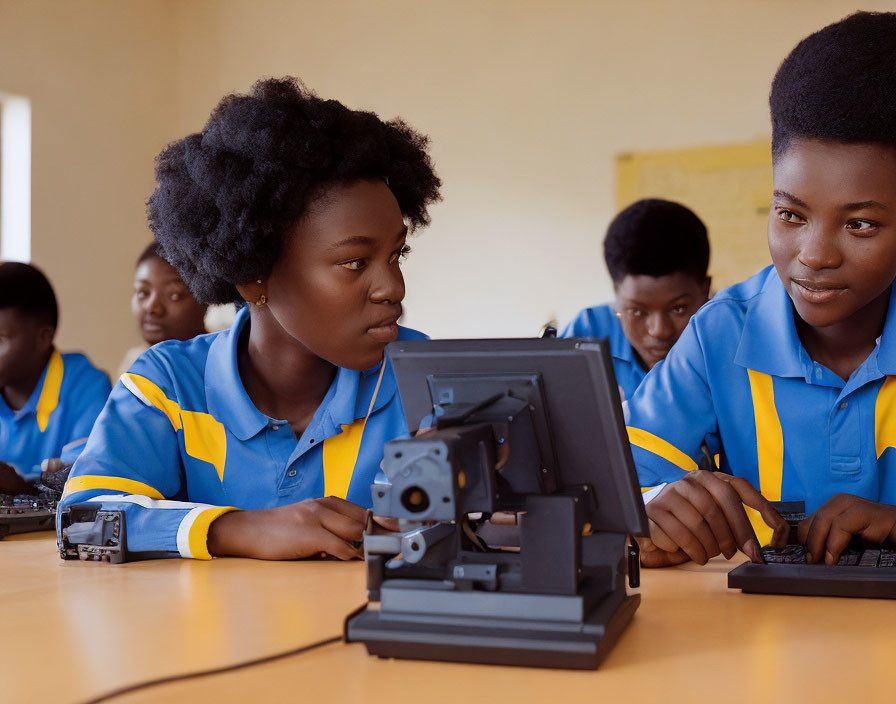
{"points": [[284, 379], [843, 347], [18, 392]]}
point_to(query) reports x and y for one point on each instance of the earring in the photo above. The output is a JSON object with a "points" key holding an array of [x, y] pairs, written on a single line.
{"points": [[261, 301]]}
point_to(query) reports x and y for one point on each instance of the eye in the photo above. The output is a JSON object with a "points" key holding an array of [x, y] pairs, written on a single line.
{"points": [[680, 310], [354, 264], [401, 255], [861, 226], [141, 293], [175, 295], [789, 216], [636, 313]]}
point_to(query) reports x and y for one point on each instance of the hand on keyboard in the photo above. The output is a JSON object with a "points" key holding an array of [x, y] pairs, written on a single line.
{"points": [[701, 516], [828, 531]]}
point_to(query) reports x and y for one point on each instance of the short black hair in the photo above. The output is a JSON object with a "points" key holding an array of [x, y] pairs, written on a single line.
{"points": [[151, 250], [25, 288], [838, 84], [227, 196], [655, 237]]}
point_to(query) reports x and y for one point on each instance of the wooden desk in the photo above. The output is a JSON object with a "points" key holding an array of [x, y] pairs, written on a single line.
{"points": [[692, 640]]}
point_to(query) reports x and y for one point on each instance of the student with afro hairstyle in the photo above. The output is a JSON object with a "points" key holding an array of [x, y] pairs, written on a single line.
{"points": [[657, 253], [48, 400], [298, 208], [794, 370]]}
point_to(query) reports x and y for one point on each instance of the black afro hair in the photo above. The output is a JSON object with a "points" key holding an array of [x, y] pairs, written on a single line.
{"points": [[655, 237], [838, 84], [25, 288], [227, 197]]}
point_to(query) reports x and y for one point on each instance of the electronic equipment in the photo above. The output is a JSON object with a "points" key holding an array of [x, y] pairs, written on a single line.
{"points": [[531, 428]]}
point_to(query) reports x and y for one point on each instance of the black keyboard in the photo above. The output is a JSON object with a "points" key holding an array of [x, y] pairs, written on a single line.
{"points": [[861, 571], [23, 513]]}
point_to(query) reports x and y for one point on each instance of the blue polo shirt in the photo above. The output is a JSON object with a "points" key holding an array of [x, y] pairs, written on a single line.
{"points": [[57, 418], [740, 376], [601, 321], [180, 443]]}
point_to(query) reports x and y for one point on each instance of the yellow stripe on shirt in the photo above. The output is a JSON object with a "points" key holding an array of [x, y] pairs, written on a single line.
{"points": [[204, 436], [769, 436], [658, 446], [95, 481], [49, 394], [340, 456], [885, 416]]}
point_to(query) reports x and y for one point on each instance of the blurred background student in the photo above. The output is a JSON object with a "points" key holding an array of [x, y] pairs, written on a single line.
{"points": [[163, 305]]}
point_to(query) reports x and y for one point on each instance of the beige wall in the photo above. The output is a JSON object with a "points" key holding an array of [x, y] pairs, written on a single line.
{"points": [[98, 75], [527, 104]]}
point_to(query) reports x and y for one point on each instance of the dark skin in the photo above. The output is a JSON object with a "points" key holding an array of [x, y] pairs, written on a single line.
{"points": [[332, 299], [163, 305], [26, 343], [654, 310], [832, 237]]}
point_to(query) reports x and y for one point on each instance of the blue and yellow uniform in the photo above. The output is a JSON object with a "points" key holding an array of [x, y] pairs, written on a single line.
{"points": [[739, 375], [601, 321], [57, 418], [180, 443]]}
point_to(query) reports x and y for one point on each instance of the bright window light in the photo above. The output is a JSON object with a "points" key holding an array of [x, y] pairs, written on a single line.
{"points": [[15, 178]]}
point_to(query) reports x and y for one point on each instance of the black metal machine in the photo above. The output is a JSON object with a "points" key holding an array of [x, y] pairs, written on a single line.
{"points": [[526, 429]]}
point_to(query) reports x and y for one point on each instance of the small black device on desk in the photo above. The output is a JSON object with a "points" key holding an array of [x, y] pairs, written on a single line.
{"points": [[861, 571], [24, 513], [530, 427]]}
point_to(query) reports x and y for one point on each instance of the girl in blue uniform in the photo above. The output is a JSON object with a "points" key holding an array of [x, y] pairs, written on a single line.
{"points": [[794, 370], [299, 209]]}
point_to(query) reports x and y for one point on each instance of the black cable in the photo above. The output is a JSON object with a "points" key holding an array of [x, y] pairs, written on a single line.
{"points": [[214, 671]]}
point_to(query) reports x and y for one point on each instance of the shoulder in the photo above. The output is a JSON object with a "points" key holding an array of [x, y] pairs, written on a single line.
{"points": [[410, 334], [78, 370], [729, 306], [596, 321], [174, 364]]}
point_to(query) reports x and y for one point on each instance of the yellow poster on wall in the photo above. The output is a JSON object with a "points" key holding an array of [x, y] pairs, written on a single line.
{"points": [[728, 186]]}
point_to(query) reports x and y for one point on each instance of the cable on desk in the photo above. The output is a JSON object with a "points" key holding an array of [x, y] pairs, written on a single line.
{"points": [[214, 671]]}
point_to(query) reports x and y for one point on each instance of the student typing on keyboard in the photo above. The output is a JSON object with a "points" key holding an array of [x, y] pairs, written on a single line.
{"points": [[793, 371]]}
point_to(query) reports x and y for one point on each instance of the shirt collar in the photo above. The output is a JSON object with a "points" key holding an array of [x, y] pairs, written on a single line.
{"points": [[769, 342], [38, 399], [886, 347], [620, 347], [347, 399]]}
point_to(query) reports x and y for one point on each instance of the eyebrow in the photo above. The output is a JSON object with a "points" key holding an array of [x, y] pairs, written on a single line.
{"points": [[858, 205], [361, 239]]}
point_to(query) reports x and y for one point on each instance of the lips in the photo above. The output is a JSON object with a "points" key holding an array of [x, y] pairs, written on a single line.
{"points": [[385, 330], [813, 291]]}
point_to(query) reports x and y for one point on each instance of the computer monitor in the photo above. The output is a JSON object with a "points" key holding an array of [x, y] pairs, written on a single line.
{"points": [[572, 391]]}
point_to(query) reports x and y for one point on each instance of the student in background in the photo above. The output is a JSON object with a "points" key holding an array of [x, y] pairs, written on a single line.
{"points": [[794, 370], [48, 400], [163, 305], [657, 253], [298, 208]]}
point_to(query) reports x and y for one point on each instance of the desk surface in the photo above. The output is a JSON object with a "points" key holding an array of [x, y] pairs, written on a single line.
{"points": [[83, 629]]}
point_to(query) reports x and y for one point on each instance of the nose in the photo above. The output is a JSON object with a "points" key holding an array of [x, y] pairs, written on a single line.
{"points": [[388, 285], [153, 304], [659, 326], [818, 250]]}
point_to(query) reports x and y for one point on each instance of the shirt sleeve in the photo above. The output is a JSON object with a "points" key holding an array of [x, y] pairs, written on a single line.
{"points": [[90, 395], [671, 413], [132, 463]]}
